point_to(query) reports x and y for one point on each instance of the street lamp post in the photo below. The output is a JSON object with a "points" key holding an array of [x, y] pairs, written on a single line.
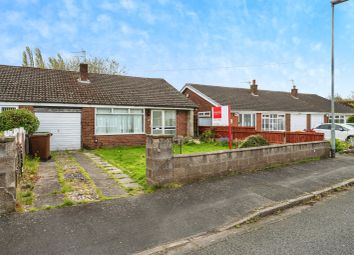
{"points": [[333, 132]]}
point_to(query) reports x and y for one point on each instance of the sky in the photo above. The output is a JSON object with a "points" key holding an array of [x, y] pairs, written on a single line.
{"points": [[223, 42]]}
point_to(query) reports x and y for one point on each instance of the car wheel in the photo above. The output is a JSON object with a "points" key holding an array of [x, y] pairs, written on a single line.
{"points": [[349, 138]]}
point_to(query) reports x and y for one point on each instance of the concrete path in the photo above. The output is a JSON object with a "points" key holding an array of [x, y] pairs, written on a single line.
{"points": [[47, 188], [124, 226], [121, 178], [101, 179]]}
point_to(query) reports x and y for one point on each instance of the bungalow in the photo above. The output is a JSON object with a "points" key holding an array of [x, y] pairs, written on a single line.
{"points": [[90, 110], [263, 109]]}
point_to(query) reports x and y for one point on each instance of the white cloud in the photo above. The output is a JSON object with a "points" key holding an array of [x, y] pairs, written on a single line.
{"points": [[128, 4]]}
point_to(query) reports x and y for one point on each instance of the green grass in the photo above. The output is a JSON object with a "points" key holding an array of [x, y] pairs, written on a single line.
{"points": [[199, 148], [30, 165], [133, 162], [24, 194]]}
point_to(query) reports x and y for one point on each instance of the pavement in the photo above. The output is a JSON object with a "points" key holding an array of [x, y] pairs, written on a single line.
{"points": [[325, 228], [133, 224]]}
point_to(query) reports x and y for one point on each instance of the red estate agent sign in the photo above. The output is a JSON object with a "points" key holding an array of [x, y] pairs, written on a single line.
{"points": [[221, 117], [217, 112]]}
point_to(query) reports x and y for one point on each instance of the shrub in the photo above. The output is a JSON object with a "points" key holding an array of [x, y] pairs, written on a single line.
{"points": [[254, 141], [341, 146], [19, 118], [208, 136], [350, 119]]}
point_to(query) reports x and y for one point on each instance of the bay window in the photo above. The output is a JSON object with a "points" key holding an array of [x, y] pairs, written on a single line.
{"points": [[164, 122], [273, 122], [119, 121]]}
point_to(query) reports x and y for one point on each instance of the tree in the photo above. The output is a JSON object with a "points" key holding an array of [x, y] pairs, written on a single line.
{"points": [[57, 62], [38, 58], [95, 64], [27, 57]]}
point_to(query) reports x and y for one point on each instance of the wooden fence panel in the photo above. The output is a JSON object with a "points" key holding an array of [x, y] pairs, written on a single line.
{"points": [[275, 137]]}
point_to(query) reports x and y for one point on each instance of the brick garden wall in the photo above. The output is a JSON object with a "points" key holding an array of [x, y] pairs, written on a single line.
{"points": [[162, 167]]}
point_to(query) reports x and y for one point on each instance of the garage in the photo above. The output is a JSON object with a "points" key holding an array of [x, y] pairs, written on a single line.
{"points": [[298, 122], [65, 127]]}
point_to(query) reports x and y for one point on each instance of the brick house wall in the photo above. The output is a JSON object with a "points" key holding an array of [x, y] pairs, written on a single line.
{"points": [[28, 107], [91, 141], [203, 105]]}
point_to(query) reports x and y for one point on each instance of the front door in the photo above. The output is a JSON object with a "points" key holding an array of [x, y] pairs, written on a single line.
{"points": [[164, 122]]}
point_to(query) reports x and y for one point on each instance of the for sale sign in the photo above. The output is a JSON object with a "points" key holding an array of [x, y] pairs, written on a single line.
{"points": [[220, 116]]}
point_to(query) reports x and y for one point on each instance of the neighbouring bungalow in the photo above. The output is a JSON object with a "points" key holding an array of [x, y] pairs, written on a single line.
{"points": [[263, 109], [91, 110]]}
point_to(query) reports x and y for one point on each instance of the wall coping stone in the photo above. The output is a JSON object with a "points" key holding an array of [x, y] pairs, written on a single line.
{"points": [[7, 139], [198, 154]]}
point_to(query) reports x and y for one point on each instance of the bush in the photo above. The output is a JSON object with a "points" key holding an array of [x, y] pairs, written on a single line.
{"points": [[341, 146], [350, 119], [208, 136], [254, 141], [19, 118]]}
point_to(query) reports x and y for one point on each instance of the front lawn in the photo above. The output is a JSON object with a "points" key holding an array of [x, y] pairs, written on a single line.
{"points": [[132, 159]]}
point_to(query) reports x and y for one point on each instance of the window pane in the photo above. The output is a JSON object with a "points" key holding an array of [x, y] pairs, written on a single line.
{"points": [[247, 120], [137, 123], [103, 110], [120, 110], [157, 119], [240, 116], [170, 118], [141, 111]]}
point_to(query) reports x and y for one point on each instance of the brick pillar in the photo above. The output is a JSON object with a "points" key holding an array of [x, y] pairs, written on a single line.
{"points": [[8, 159], [190, 123], [308, 121], [259, 121], [287, 122], [159, 159], [325, 119]]}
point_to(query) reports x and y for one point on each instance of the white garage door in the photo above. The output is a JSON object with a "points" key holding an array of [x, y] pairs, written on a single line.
{"points": [[65, 127], [316, 119], [298, 122]]}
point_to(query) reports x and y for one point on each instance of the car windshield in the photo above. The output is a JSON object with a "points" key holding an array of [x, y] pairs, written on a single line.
{"points": [[351, 124]]}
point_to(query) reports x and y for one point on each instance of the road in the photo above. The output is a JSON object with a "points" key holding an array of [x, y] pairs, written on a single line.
{"points": [[325, 228]]}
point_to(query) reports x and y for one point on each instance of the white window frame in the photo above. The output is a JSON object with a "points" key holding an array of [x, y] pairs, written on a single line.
{"points": [[8, 106], [163, 121], [204, 114], [338, 119], [112, 112], [272, 120], [241, 121]]}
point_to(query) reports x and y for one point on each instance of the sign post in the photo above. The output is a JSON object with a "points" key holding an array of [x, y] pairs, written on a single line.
{"points": [[230, 130], [221, 116]]}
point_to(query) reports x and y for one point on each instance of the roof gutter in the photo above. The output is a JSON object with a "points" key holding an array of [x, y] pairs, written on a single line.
{"points": [[92, 105]]}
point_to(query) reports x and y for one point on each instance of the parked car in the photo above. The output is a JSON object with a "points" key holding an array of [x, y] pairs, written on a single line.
{"points": [[344, 132]]}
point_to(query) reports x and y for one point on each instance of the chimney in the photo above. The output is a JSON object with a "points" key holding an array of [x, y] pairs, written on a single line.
{"points": [[84, 73], [254, 88], [294, 91]]}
